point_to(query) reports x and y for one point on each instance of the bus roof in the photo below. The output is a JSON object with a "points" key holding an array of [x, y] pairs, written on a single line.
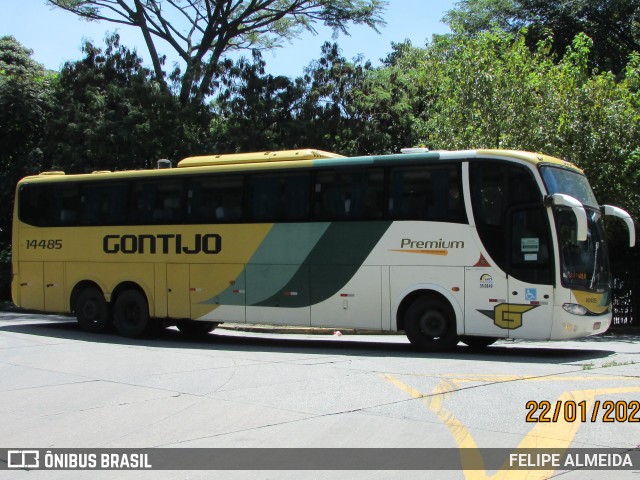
{"points": [[309, 158], [256, 157], [529, 157]]}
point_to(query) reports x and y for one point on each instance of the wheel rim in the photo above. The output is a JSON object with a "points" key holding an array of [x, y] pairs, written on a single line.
{"points": [[433, 324], [130, 314], [90, 311]]}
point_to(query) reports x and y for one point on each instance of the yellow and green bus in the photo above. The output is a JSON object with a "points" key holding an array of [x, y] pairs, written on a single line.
{"points": [[446, 246]]}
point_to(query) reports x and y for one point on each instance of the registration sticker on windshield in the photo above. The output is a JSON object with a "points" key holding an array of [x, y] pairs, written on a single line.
{"points": [[530, 244]]}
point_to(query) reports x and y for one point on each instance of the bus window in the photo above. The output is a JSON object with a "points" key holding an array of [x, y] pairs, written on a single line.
{"points": [[426, 193], [279, 197], [104, 203], [215, 199], [349, 195], [35, 204], [495, 188], [66, 204], [530, 258], [157, 202]]}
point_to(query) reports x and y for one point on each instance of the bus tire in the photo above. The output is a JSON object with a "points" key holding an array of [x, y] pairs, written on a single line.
{"points": [[430, 324], [131, 314], [478, 342], [92, 310], [192, 328]]}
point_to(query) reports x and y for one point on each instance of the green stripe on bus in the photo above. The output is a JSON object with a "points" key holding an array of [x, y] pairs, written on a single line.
{"points": [[332, 262], [278, 259]]}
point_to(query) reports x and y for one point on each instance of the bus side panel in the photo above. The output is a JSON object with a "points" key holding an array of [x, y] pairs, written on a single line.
{"points": [[357, 304], [278, 294], [217, 292], [160, 290], [54, 288], [485, 299], [178, 304], [388, 324], [31, 285]]}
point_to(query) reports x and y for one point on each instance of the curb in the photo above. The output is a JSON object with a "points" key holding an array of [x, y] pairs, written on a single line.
{"points": [[240, 327]]}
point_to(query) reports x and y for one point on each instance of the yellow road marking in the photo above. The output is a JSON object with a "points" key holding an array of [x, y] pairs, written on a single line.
{"points": [[465, 377], [543, 435]]}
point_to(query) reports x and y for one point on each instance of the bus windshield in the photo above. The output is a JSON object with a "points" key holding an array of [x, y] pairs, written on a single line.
{"points": [[584, 265], [560, 180]]}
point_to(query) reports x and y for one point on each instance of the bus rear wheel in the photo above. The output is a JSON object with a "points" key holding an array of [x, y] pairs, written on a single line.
{"points": [[91, 310], [131, 314], [430, 324]]}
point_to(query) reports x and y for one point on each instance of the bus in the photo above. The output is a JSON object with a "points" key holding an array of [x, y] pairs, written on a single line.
{"points": [[447, 246]]}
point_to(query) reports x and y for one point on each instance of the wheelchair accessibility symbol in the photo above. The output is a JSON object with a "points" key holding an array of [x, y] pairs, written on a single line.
{"points": [[530, 294]]}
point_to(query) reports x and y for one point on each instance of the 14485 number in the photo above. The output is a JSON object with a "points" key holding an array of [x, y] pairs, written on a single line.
{"points": [[44, 244]]}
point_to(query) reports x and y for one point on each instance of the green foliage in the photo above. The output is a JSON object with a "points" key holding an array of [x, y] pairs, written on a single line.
{"points": [[331, 110], [491, 91], [25, 106], [254, 111], [110, 114], [613, 24], [339, 105]]}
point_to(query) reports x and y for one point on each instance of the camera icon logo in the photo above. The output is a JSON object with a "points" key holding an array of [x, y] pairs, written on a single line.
{"points": [[23, 459]]}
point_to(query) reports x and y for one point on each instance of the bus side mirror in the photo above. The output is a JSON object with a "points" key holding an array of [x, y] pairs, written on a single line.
{"points": [[562, 200], [618, 212]]}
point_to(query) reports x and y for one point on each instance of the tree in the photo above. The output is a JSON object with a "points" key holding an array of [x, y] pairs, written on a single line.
{"points": [[201, 32], [389, 101], [611, 24], [332, 117], [337, 105], [491, 91], [111, 114], [25, 106], [255, 111]]}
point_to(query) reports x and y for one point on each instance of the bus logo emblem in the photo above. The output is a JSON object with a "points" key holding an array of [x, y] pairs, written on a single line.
{"points": [[508, 315], [486, 281]]}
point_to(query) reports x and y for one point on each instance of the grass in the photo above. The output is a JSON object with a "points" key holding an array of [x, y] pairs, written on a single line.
{"points": [[610, 363]]}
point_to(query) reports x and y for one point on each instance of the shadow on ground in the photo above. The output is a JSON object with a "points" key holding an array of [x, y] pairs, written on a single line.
{"points": [[387, 346]]}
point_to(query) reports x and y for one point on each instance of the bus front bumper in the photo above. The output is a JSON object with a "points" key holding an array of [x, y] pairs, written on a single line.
{"points": [[569, 326]]}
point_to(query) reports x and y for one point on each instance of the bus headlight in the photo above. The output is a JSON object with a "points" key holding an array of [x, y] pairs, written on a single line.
{"points": [[575, 309]]}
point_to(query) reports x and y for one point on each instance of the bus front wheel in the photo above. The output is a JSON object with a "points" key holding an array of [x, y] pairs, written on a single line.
{"points": [[430, 324], [131, 314], [91, 310]]}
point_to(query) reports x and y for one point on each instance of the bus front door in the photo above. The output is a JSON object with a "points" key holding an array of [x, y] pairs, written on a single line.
{"points": [[530, 268]]}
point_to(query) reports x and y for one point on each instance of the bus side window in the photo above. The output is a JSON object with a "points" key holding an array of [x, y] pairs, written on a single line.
{"points": [[349, 195], [279, 197], [426, 193], [66, 200], [35, 206], [530, 250], [157, 202], [215, 199], [103, 203], [495, 188]]}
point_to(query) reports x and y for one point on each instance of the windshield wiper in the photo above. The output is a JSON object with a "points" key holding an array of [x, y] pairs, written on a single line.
{"points": [[595, 266]]}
